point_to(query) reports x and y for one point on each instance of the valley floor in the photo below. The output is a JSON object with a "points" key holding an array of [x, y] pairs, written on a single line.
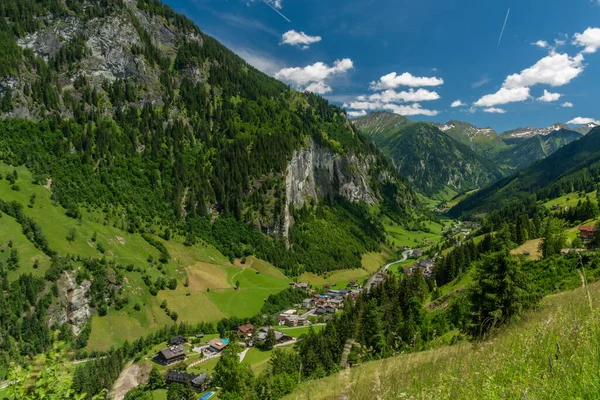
{"points": [[550, 353]]}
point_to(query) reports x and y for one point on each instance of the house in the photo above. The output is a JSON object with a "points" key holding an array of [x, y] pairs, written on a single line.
{"points": [[587, 233], [292, 320], [170, 355], [330, 309], [281, 338], [426, 263], [217, 345], [353, 284], [177, 340], [198, 382], [338, 303], [245, 330], [416, 253], [308, 303], [321, 311]]}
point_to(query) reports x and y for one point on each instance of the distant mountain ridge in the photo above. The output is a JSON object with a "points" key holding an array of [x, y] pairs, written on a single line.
{"points": [[509, 151], [568, 164], [436, 163]]}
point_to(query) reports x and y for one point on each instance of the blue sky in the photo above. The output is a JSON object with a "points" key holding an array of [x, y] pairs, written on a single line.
{"points": [[417, 58]]}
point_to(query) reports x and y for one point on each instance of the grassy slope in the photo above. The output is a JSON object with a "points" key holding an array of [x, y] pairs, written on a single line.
{"points": [[203, 264], [513, 362]]}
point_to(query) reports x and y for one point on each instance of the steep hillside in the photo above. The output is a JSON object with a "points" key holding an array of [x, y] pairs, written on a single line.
{"points": [[522, 152], [552, 342], [435, 163], [562, 164], [483, 141], [130, 105]]}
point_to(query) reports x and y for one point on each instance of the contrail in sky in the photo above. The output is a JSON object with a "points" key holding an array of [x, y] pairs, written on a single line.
{"points": [[503, 26], [276, 10]]}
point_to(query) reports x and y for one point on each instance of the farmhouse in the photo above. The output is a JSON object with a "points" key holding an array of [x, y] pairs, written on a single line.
{"points": [[245, 330], [170, 355], [308, 303], [198, 382], [177, 340], [587, 233], [217, 345], [353, 284], [280, 337]]}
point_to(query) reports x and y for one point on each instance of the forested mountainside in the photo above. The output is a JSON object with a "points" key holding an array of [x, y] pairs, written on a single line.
{"points": [[435, 163], [483, 141], [569, 169], [522, 152], [129, 107]]}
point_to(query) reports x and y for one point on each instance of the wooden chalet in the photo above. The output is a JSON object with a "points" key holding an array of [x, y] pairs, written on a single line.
{"points": [[198, 382], [170, 355]]}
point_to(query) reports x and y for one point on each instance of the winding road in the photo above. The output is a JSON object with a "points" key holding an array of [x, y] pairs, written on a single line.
{"points": [[387, 266]]}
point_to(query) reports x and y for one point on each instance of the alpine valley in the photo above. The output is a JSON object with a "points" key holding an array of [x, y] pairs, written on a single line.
{"points": [[176, 224]]}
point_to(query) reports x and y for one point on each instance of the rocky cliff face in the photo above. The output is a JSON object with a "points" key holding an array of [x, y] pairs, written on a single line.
{"points": [[73, 304], [315, 172]]}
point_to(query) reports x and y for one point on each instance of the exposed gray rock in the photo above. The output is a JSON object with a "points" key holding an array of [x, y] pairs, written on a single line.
{"points": [[315, 172], [72, 306]]}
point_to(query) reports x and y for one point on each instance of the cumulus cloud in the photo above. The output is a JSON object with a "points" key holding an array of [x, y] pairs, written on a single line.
{"points": [[393, 80], [411, 109], [494, 110], [567, 104], [299, 39], [504, 96], [555, 70], [549, 97], [457, 103], [314, 76], [583, 121], [542, 44], [391, 96], [318, 88], [364, 104], [356, 114], [589, 39]]}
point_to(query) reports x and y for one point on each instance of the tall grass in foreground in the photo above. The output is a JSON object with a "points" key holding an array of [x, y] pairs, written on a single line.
{"points": [[551, 353]]}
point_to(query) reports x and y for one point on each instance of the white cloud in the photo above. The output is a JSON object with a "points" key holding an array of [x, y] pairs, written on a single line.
{"points": [[590, 39], [567, 104], [299, 39], [554, 70], [542, 44], [549, 97], [391, 96], [402, 109], [457, 103], [393, 80], [503, 96], [412, 109], [318, 88], [494, 110], [583, 121], [315, 75], [356, 114]]}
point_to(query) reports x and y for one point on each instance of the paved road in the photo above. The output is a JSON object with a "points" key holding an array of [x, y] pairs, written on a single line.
{"points": [[387, 266]]}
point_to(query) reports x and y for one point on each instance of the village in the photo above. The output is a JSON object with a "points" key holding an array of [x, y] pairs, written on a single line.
{"points": [[320, 305]]}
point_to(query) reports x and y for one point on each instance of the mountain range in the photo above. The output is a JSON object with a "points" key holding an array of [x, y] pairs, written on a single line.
{"points": [[481, 155], [573, 167]]}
